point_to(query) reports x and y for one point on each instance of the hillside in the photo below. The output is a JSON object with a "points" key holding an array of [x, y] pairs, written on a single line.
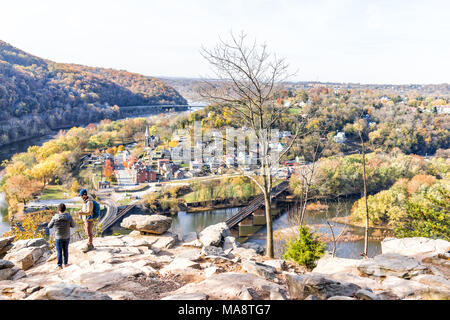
{"points": [[37, 95]]}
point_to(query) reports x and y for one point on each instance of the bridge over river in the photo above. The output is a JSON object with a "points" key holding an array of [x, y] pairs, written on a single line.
{"points": [[247, 220], [252, 217]]}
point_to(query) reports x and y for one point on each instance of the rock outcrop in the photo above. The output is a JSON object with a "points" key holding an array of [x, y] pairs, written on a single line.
{"points": [[5, 245], [27, 253], [301, 286], [392, 264], [417, 247], [151, 266], [214, 235], [67, 291]]}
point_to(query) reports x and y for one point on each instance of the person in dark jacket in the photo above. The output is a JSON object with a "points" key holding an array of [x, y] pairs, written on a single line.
{"points": [[62, 222]]}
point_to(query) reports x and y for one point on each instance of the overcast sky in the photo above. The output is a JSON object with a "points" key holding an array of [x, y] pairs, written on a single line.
{"points": [[392, 41]]}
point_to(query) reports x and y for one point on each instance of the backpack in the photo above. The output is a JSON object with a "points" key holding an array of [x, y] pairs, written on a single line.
{"points": [[96, 212]]}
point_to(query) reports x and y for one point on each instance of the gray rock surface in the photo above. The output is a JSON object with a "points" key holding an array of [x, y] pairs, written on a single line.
{"points": [[251, 245], [227, 286], [391, 264], [212, 251], [191, 254], [418, 247], [213, 235], [229, 244], [366, 295], [259, 269], [301, 286], [67, 291], [187, 296], [5, 244]]}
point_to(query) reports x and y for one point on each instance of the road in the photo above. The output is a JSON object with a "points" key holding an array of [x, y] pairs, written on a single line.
{"points": [[111, 211]]}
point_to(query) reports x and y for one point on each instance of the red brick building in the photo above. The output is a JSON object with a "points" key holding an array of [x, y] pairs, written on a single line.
{"points": [[142, 173]]}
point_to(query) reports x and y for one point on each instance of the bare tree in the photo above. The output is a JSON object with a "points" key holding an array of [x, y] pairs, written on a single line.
{"points": [[307, 173], [335, 239], [250, 83], [361, 127]]}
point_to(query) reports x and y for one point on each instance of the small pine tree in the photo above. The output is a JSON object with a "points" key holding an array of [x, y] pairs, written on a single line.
{"points": [[304, 250]]}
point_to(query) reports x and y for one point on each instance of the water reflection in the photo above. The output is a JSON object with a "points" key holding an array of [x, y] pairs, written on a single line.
{"points": [[188, 222], [318, 220]]}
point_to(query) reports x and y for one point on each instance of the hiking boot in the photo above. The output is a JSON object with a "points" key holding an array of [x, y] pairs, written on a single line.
{"points": [[88, 247], [59, 267]]}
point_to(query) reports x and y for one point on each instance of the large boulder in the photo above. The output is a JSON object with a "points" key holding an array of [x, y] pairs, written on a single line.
{"points": [[212, 251], [391, 264], [7, 270], [157, 242], [329, 265], [156, 224], [229, 244], [213, 235], [5, 244], [28, 243], [301, 286], [418, 247], [67, 291], [27, 257]]}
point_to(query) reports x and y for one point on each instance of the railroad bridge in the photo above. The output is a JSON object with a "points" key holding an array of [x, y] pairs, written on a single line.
{"points": [[251, 218], [120, 214]]}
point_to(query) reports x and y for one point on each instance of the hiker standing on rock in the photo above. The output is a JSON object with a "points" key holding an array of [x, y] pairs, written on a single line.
{"points": [[89, 212], [62, 222]]}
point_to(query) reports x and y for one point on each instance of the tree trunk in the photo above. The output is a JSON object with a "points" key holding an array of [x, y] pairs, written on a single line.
{"points": [[268, 209], [366, 231]]}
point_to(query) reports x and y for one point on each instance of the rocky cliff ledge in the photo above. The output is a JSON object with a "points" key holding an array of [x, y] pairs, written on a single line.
{"points": [[212, 265]]}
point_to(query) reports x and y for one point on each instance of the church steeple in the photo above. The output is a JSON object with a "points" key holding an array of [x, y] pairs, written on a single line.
{"points": [[147, 137]]}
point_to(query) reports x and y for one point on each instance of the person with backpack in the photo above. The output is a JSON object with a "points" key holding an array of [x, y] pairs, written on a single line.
{"points": [[62, 222], [89, 212]]}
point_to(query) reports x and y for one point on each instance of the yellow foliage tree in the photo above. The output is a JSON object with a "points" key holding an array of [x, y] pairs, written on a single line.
{"points": [[21, 189]]}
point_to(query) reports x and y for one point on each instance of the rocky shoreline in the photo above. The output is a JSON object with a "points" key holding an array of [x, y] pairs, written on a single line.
{"points": [[151, 264]]}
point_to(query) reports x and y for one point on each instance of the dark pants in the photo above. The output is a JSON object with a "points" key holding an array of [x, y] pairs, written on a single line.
{"points": [[62, 251]]}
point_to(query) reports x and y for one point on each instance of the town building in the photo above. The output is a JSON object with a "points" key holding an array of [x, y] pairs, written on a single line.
{"points": [[340, 137], [142, 173]]}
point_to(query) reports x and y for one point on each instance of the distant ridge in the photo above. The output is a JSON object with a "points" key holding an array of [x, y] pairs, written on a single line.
{"points": [[38, 95]]}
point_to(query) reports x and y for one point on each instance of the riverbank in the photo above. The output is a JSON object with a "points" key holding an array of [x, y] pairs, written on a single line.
{"points": [[347, 221], [126, 112]]}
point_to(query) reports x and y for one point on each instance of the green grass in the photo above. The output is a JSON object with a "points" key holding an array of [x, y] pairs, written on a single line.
{"points": [[125, 202], [295, 110], [55, 193], [221, 191]]}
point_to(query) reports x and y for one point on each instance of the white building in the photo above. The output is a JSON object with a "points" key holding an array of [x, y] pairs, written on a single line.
{"points": [[340, 137]]}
